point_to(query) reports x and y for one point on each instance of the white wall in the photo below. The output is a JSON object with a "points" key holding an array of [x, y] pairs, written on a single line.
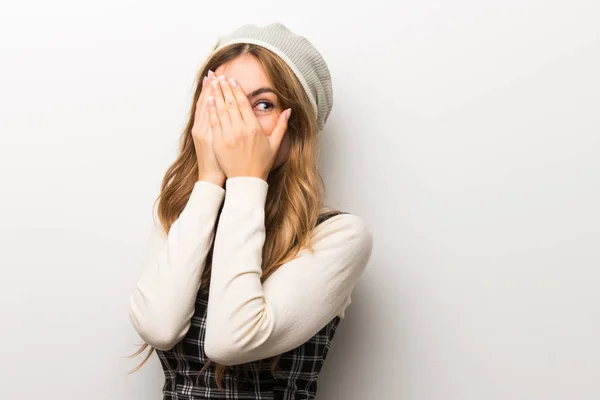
{"points": [[466, 133]]}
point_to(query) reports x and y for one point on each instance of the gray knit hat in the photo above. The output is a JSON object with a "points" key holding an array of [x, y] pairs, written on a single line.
{"points": [[298, 53]]}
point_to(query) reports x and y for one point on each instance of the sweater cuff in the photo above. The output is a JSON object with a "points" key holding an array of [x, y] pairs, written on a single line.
{"points": [[206, 196], [246, 192]]}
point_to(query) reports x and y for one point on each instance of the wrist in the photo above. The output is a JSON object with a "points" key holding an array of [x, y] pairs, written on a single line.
{"points": [[249, 175], [217, 179]]}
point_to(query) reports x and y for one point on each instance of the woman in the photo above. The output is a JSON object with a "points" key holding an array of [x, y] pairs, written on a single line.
{"points": [[248, 274]]}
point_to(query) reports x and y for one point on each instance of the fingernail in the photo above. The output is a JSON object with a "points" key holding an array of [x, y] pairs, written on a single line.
{"points": [[233, 83], [289, 112], [204, 80], [215, 84], [210, 73], [222, 79]]}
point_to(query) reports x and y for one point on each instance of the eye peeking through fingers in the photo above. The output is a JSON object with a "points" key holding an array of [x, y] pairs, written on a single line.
{"points": [[267, 106]]}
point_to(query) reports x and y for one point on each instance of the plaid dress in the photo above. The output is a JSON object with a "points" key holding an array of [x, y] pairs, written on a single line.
{"points": [[294, 378]]}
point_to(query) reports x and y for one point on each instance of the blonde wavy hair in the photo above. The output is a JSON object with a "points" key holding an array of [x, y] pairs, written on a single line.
{"points": [[296, 189]]}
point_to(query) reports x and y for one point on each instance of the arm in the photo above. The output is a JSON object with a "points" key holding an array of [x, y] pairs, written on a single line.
{"points": [[162, 304], [247, 320]]}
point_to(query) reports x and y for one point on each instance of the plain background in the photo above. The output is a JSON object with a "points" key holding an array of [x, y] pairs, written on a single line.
{"points": [[465, 133]]}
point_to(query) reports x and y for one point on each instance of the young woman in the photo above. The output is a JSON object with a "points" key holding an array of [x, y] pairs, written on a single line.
{"points": [[247, 273]]}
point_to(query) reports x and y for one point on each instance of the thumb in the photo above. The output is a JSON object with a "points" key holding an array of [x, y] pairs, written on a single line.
{"points": [[279, 132]]}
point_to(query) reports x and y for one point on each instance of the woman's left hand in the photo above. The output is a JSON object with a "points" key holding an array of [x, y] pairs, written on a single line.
{"points": [[241, 146]]}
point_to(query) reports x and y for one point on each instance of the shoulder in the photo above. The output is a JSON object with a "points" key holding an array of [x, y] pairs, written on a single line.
{"points": [[346, 233], [344, 222]]}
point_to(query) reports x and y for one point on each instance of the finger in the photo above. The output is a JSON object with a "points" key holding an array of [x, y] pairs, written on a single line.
{"points": [[204, 118], [244, 106], [201, 109], [201, 101], [205, 92], [230, 102], [221, 110], [280, 129], [213, 118]]}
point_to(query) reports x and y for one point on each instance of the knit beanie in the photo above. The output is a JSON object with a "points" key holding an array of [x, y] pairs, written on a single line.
{"points": [[298, 53]]}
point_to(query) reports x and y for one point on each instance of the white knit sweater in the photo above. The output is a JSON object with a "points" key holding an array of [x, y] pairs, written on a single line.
{"points": [[246, 320]]}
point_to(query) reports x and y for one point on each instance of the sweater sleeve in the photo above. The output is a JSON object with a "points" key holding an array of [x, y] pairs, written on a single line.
{"points": [[163, 301], [248, 320]]}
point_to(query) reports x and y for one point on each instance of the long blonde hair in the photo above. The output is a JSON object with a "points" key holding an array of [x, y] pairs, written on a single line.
{"points": [[296, 189]]}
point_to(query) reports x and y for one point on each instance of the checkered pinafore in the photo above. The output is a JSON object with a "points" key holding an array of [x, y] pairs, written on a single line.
{"points": [[294, 378]]}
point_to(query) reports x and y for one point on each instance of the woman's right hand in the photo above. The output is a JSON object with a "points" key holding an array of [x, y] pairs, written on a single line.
{"points": [[208, 167]]}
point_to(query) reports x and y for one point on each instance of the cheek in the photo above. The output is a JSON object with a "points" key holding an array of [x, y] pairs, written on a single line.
{"points": [[268, 122]]}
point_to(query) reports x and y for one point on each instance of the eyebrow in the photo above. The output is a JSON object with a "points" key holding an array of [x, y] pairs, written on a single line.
{"points": [[261, 91]]}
